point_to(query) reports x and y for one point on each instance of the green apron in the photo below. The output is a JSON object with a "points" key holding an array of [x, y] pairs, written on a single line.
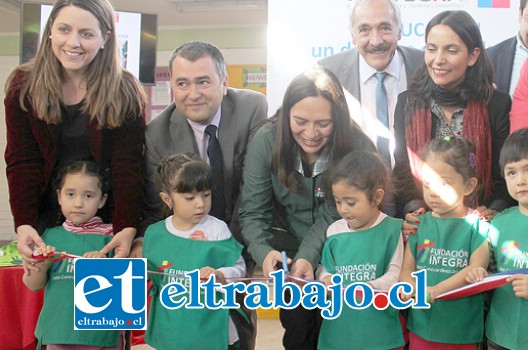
{"points": [[443, 247], [183, 328], [55, 324], [362, 257], [508, 315]]}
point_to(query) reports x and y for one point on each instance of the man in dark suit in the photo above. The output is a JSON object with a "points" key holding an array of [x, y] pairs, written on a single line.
{"points": [[202, 98], [508, 56], [375, 29]]}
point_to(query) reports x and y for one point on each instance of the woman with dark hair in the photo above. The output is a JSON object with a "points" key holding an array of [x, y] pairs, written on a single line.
{"points": [[72, 102], [283, 206], [451, 94]]}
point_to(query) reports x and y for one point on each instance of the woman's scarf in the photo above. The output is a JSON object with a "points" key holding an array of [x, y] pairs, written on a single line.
{"points": [[448, 97], [418, 132]]}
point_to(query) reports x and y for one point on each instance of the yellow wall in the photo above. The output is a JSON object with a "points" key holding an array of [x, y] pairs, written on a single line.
{"points": [[251, 76]]}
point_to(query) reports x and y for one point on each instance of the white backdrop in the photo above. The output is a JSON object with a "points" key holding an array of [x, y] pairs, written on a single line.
{"points": [[300, 32]]}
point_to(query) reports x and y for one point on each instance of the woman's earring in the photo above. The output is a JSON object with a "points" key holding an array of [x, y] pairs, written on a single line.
{"points": [[49, 36], [102, 47]]}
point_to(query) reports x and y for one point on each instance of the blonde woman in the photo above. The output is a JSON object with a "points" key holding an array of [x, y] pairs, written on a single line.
{"points": [[73, 101]]}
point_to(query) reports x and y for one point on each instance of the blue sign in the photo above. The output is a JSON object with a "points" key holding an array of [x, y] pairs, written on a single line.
{"points": [[110, 294]]}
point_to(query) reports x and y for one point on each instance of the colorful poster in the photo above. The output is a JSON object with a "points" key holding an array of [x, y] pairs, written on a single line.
{"points": [[159, 95], [251, 77]]}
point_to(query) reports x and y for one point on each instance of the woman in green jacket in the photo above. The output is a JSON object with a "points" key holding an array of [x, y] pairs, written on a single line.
{"points": [[283, 197]]}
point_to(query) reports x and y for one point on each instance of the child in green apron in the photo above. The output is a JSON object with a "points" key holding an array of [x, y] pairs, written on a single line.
{"points": [[189, 239], [364, 246], [82, 191], [449, 242], [506, 323]]}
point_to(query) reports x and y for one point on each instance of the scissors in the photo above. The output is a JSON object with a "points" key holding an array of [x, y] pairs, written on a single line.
{"points": [[40, 256], [284, 262]]}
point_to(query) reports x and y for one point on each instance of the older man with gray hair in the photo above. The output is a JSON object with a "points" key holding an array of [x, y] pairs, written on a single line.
{"points": [[376, 70]]}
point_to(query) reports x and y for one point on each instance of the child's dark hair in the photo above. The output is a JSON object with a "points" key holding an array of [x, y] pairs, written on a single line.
{"points": [[515, 148], [458, 152], [363, 170], [183, 173], [86, 167]]}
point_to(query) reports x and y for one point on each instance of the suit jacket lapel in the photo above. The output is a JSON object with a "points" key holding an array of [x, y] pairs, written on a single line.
{"points": [[354, 74], [505, 67], [182, 136], [408, 62], [348, 74]]}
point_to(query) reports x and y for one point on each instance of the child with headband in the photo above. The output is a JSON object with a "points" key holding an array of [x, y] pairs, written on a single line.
{"points": [[189, 239]]}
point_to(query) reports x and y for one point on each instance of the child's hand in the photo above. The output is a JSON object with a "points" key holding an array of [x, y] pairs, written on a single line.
{"points": [[44, 252], [432, 293], [207, 271], [406, 297], [519, 284], [43, 257], [475, 275], [94, 254]]}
